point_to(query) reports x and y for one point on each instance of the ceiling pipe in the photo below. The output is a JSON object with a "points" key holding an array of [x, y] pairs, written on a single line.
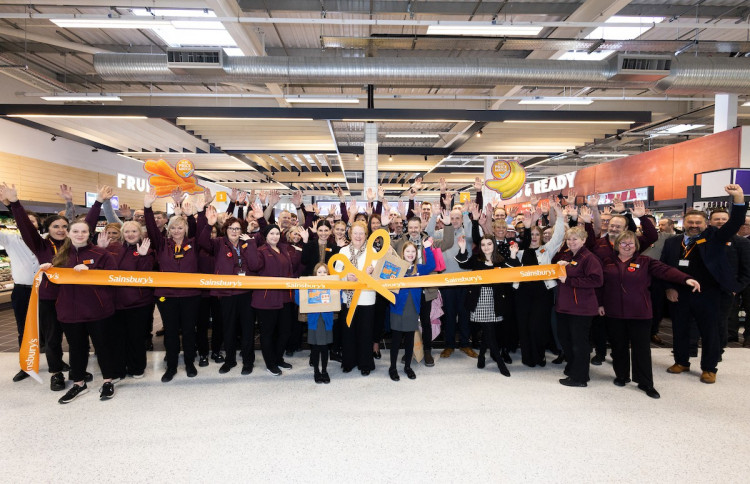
{"points": [[687, 74]]}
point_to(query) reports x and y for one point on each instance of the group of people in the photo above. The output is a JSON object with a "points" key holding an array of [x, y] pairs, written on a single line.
{"points": [[610, 292]]}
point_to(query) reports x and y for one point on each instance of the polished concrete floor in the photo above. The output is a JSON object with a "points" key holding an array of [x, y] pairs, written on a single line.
{"points": [[453, 423]]}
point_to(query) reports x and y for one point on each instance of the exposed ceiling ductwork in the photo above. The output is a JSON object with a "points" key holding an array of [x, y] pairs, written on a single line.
{"points": [[683, 75]]}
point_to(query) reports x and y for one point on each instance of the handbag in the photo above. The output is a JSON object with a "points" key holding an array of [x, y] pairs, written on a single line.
{"points": [[439, 261]]}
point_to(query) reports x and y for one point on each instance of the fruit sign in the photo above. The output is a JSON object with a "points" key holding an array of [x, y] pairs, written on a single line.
{"points": [[509, 177]]}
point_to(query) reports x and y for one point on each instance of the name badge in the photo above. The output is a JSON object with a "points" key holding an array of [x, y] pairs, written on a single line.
{"points": [[179, 256], [684, 263], [573, 263], [240, 273], [88, 261]]}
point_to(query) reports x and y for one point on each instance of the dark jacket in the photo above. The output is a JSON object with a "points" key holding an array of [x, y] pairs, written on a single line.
{"points": [[311, 254], [295, 256], [79, 303], [711, 245], [500, 292], [127, 258], [625, 293], [225, 259], [45, 248], [267, 262], [171, 258], [738, 255], [577, 295]]}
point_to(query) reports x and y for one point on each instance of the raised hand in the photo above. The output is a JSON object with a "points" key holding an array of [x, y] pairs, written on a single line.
{"points": [[443, 185], [211, 215], [125, 210], [241, 196], [315, 208], [143, 247], [178, 196], [534, 200], [427, 242], [557, 208], [478, 184], [66, 193], [738, 196], [617, 205], [187, 208], [607, 210], [482, 218], [339, 192], [381, 193], [402, 208], [263, 196], [446, 216], [571, 198], [8, 192], [639, 209], [305, 235], [103, 193], [585, 214], [296, 198], [208, 197], [571, 211], [386, 206], [244, 237], [513, 250], [273, 198], [370, 195], [335, 213], [368, 209], [462, 243], [102, 240], [527, 219], [473, 209], [593, 200], [252, 197], [149, 198], [513, 212], [233, 195], [417, 184]]}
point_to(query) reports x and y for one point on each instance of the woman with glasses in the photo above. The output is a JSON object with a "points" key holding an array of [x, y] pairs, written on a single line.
{"points": [[625, 300]]}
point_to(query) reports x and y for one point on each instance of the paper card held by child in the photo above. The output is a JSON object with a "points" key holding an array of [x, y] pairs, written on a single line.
{"points": [[319, 300], [390, 267]]}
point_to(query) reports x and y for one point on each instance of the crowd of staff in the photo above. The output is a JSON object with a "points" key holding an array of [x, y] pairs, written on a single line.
{"points": [[618, 277]]}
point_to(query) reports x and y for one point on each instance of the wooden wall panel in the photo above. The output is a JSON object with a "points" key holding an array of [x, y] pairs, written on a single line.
{"points": [[40, 181], [721, 150]]}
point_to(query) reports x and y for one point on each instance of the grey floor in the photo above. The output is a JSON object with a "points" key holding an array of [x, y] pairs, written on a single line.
{"points": [[453, 423]]}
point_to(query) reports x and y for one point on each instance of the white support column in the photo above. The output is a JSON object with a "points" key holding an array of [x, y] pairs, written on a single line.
{"points": [[371, 158], [725, 112]]}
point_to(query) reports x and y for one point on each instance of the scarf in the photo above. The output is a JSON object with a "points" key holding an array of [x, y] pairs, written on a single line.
{"points": [[353, 257]]}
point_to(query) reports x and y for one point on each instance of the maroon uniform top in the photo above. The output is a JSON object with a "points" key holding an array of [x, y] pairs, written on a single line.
{"points": [[79, 303], [603, 248], [577, 295], [225, 258], [267, 262], [127, 258]]}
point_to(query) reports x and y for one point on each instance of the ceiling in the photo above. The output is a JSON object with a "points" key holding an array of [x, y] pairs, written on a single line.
{"points": [[248, 132]]}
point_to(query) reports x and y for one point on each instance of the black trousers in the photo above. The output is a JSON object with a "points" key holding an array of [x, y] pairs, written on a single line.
{"points": [[599, 336], [573, 332], [19, 299], [209, 316], [297, 331], [396, 338], [704, 308], [489, 340], [378, 323], [425, 307], [338, 330], [125, 340], [533, 304], [726, 301], [631, 338], [77, 335], [237, 312], [179, 313], [454, 306], [275, 327], [741, 302], [507, 333], [52, 333], [357, 340], [658, 304]]}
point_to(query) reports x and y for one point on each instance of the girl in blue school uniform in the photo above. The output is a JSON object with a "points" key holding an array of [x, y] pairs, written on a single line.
{"points": [[405, 311], [319, 333]]}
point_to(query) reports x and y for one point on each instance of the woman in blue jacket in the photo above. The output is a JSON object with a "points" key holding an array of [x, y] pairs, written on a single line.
{"points": [[405, 311]]}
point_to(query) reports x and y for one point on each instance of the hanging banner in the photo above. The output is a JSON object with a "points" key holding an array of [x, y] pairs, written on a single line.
{"points": [[165, 178], [29, 354], [508, 177]]}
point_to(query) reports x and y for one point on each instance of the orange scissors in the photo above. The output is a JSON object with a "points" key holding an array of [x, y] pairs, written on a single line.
{"points": [[362, 276]]}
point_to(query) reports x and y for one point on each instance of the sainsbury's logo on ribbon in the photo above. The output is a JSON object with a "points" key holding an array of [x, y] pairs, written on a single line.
{"points": [[130, 279]]}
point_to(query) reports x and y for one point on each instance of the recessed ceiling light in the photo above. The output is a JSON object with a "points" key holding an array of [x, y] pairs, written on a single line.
{"points": [[605, 155], [680, 128], [746, 103], [110, 23], [565, 122], [82, 97], [321, 100], [485, 30], [412, 135], [73, 116]]}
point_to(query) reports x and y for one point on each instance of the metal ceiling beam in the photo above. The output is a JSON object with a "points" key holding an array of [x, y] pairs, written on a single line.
{"points": [[64, 44]]}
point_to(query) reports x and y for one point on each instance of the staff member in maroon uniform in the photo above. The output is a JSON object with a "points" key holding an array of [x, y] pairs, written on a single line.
{"points": [[133, 304], [274, 306], [84, 311], [230, 258], [625, 300], [175, 252], [45, 249], [577, 305]]}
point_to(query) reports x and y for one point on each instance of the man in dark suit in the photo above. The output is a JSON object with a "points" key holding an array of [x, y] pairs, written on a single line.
{"points": [[701, 253], [741, 302]]}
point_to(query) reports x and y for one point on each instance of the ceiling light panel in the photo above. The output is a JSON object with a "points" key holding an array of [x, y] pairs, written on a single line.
{"points": [[486, 30]]}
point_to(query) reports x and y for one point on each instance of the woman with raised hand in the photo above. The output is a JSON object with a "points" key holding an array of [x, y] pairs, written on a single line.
{"points": [[357, 338], [85, 311], [487, 303], [625, 302], [45, 250], [273, 306], [405, 311], [577, 305], [534, 300], [133, 304], [230, 258], [176, 252]]}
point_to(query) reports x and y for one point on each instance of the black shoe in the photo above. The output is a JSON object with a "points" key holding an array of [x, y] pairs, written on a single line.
{"points": [[227, 366], [217, 357], [559, 360], [73, 393], [403, 359], [335, 356], [203, 361], [365, 372], [289, 353], [190, 370], [651, 392], [543, 363], [57, 383], [326, 377], [318, 377], [347, 370], [160, 332], [506, 358], [21, 375], [393, 373], [65, 367], [597, 360], [480, 361], [285, 365], [568, 382], [621, 382], [274, 371], [107, 391], [410, 373], [168, 375], [503, 369], [376, 355], [246, 369], [150, 346]]}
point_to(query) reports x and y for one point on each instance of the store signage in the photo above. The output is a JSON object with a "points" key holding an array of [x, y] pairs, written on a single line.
{"points": [[132, 183], [629, 195], [551, 184], [507, 178]]}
